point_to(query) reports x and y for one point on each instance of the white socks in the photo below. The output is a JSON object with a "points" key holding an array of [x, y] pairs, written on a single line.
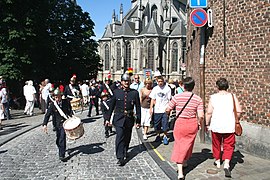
{"points": [[180, 171], [226, 164], [217, 163]]}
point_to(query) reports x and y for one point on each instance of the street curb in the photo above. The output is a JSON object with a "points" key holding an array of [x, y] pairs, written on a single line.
{"points": [[164, 165]]}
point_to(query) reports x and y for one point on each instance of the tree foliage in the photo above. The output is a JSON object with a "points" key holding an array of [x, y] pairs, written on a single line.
{"points": [[46, 38]]}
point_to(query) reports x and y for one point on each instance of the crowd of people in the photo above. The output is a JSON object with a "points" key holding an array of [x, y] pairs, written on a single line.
{"points": [[132, 102]]}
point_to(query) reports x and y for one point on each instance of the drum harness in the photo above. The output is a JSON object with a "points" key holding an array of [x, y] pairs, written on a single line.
{"points": [[58, 108]]}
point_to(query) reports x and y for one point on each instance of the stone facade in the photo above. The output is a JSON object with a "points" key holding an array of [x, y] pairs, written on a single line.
{"points": [[237, 47], [150, 36]]}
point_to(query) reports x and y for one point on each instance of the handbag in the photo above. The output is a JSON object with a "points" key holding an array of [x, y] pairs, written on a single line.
{"points": [[238, 127]]}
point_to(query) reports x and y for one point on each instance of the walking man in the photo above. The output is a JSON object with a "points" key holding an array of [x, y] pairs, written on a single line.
{"points": [[29, 93], [160, 97], [123, 103]]}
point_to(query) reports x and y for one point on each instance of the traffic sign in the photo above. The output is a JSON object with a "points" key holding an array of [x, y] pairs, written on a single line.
{"points": [[198, 17], [198, 3]]}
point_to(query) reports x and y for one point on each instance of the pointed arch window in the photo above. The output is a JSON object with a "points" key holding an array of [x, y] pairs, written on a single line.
{"points": [[128, 55], [174, 56], [118, 56], [107, 57], [141, 56], [151, 52]]}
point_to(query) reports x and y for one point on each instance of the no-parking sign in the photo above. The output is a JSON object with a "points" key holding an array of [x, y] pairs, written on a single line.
{"points": [[198, 17]]}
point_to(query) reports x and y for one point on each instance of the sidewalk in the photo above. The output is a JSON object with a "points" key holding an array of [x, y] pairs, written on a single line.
{"points": [[19, 124], [244, 166]]}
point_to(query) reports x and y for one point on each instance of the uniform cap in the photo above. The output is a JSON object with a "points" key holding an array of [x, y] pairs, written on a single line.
{"points": [[57, 92], [125, 77]]}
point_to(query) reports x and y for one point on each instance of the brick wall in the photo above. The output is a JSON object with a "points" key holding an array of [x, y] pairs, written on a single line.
{"points": [[245, 58]]}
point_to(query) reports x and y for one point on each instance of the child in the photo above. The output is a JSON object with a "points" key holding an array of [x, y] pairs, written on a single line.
{"points": [[105, 104]]}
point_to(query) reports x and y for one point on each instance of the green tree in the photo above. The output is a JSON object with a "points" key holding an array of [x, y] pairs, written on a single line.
{"points": [[46, 38], [70, 30]]}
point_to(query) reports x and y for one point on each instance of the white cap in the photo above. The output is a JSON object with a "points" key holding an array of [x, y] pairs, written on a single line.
{"points": [[157, 73]]}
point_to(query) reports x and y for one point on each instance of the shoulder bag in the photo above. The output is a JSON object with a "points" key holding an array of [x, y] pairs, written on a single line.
{"points": [[238, 127], [184, 107]]}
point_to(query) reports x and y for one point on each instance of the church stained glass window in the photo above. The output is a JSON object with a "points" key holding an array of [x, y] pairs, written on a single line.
{"points": [[141, 57], [151, 52], [107, 57], [118, 56], [128, 54], [174, 56]]}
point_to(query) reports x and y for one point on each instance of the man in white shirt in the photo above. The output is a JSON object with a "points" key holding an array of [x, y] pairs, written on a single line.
{"points": [[137, 84], [29, 93], [46, 90], [160, 97], [85, 92]]}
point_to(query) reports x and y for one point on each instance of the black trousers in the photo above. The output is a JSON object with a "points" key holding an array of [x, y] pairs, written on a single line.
{"points": [[123, 137], [61, 140], [95, 103]]}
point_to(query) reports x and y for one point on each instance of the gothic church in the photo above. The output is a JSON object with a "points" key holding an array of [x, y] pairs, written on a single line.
{"points": [[151, 36]]}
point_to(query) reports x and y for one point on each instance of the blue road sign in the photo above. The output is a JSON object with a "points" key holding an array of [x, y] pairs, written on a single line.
{"points": [[198, 17], [198, 3]]}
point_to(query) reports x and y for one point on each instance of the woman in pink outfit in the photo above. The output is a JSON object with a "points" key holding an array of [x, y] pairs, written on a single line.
{"points": [[187, 123]]}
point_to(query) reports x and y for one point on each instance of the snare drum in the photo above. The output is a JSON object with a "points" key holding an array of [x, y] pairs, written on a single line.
{"points": [[75, 103], [73, 128]]}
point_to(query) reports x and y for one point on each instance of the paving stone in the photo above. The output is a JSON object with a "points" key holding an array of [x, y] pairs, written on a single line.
{"points": [[34, 155]]}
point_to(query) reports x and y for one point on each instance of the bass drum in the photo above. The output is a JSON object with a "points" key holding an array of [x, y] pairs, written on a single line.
{"points": [[73, 128]]}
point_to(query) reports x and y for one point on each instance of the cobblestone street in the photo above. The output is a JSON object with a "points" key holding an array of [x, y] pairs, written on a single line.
{"points": [[34, 155]]}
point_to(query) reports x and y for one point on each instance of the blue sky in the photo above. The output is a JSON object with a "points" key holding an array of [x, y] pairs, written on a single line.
{"points": [[101, 12]]}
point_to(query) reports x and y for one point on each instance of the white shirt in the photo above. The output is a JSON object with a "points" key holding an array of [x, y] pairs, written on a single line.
{"points": [[84, 90], [45, 91], [137, 86], [162, 95], [222, 120], [29, 92], [3, 95]]}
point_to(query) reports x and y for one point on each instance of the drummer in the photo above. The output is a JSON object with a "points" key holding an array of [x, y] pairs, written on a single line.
{"points": [[65, 106], [71, 90]]}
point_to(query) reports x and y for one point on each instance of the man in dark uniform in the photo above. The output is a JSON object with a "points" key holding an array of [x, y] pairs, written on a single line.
{"points": [[94, 95], [65, 106], [122, 103]]}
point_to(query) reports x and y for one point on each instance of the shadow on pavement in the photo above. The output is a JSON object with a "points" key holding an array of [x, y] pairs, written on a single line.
{"points": [[3, 151], [89, 120], [10, 128], [236, 158], [196, 159], [85, 149], [135, 150]]}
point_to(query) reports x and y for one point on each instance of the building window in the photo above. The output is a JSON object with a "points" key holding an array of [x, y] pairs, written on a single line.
{"points": [[154, 13], [151, 52], [141, 56], [107, 57], [128, 55], [174, 56], [118, 56]]}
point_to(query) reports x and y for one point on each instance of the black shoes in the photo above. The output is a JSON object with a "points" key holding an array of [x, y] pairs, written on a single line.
{"points": [[227, 172], [121, 162], [62, 158]]}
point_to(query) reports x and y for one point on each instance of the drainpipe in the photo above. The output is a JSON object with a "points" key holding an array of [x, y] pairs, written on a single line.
{"points": [[202, 77]]}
